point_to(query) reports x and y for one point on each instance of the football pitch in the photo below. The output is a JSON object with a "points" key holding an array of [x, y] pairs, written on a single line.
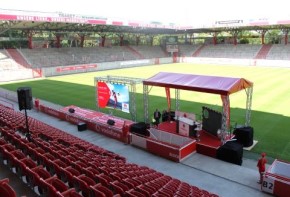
{"points": [[270, 115]]}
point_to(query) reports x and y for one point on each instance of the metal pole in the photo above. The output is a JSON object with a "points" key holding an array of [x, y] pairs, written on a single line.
{"points": [[26, 118]]}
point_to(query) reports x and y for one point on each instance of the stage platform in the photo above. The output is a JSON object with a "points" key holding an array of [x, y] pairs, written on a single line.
{"points": [[96, 116], [206, 143], [109, 125]]}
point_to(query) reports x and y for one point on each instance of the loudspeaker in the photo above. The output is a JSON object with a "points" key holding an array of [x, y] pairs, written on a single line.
{"points": [[82, 126], [244, 135], [71, 110], [110, 122], [232, 152], [24, 95], [140, 128]]}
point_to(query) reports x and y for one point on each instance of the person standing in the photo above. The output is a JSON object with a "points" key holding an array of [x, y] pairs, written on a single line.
{"points": [[262, 166], [36, 104], [125, 133], [157, 116]]}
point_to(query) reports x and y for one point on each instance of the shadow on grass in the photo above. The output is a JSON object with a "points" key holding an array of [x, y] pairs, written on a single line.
{"points": [[270, 130]]}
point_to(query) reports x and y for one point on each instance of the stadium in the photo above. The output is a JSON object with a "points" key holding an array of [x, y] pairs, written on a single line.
{"points": [[79, 92]]}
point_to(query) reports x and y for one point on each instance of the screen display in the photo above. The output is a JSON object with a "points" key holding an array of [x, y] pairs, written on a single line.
{"points": [[114, 96], [211, 120]]}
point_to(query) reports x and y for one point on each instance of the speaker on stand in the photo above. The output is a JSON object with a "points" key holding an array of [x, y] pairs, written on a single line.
{"points": [[24, 95]]}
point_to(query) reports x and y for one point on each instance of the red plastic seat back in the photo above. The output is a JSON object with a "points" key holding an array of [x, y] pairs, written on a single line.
{"points": [[5, 189]]}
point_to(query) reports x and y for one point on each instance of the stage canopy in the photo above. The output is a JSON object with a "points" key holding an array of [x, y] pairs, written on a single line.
{"points": [[224, 86], [199, 83]]}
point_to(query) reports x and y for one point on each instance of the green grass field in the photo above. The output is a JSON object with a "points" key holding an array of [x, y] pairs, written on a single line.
{"points": [[271, 96]]}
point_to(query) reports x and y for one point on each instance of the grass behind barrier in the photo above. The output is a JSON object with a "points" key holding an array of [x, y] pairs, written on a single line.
{"points": [[271, 96]]}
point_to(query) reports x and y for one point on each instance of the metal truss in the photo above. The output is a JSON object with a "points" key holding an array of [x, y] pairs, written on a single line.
{"points": [[146, 103], [225, 118], [249, 92], [177, 99]]}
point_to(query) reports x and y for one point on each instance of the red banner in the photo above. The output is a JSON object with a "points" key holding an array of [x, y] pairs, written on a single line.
{"points": [[77, 67], [103, 94]]}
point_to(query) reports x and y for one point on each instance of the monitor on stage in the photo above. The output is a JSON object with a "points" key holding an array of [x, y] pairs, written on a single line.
{"points": [[211, 120]]}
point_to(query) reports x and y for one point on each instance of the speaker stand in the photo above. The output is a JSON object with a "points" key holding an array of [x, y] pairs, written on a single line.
{"points": [[27, 134]]}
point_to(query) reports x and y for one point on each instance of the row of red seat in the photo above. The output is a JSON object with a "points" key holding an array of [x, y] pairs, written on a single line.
{"points": [[51, 163], [16, 121], [33, 174], [59, 164]]}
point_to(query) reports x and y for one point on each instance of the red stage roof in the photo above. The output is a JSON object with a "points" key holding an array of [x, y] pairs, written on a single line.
{"points": [[199, 83]]}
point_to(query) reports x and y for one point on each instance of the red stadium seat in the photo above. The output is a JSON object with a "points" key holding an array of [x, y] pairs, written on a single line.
{"points": [[99, 190], [119, 188], [5, 189], [36, 175], [27, 148], [69, 159], [78, 165], [56, 167], [35, 152], [68, 173], [104, 179], [152, 185], [13, 157], [91, 172], [134, 193], [159, 194], [80, 147], [132, 182], [8, 135], [117, 176], [22, 166], [4, 151], [146, 190], [45, 158], [69, 193], [52, 186], [2, 141], [19, 143], [83, 183]]}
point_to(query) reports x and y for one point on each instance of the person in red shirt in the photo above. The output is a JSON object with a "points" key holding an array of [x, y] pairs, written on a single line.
{"points": [[262, 166], [36, 104], [125, 133]]}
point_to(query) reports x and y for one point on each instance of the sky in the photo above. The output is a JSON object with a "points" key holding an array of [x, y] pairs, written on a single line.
{"points": [[180, 11]]}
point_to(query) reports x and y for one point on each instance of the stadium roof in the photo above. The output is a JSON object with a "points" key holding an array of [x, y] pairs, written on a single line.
{"points": [[63, 23], [199, 83]]}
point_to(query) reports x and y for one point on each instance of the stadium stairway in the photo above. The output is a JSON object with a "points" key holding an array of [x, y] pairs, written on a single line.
{"points": [[14, 54], [135, 52], [22, 62], [197, 52], [262, 54]]}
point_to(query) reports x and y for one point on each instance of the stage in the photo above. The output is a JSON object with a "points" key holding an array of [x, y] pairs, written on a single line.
{"points": [[108, 125], [206, 143], [95, 116]]}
